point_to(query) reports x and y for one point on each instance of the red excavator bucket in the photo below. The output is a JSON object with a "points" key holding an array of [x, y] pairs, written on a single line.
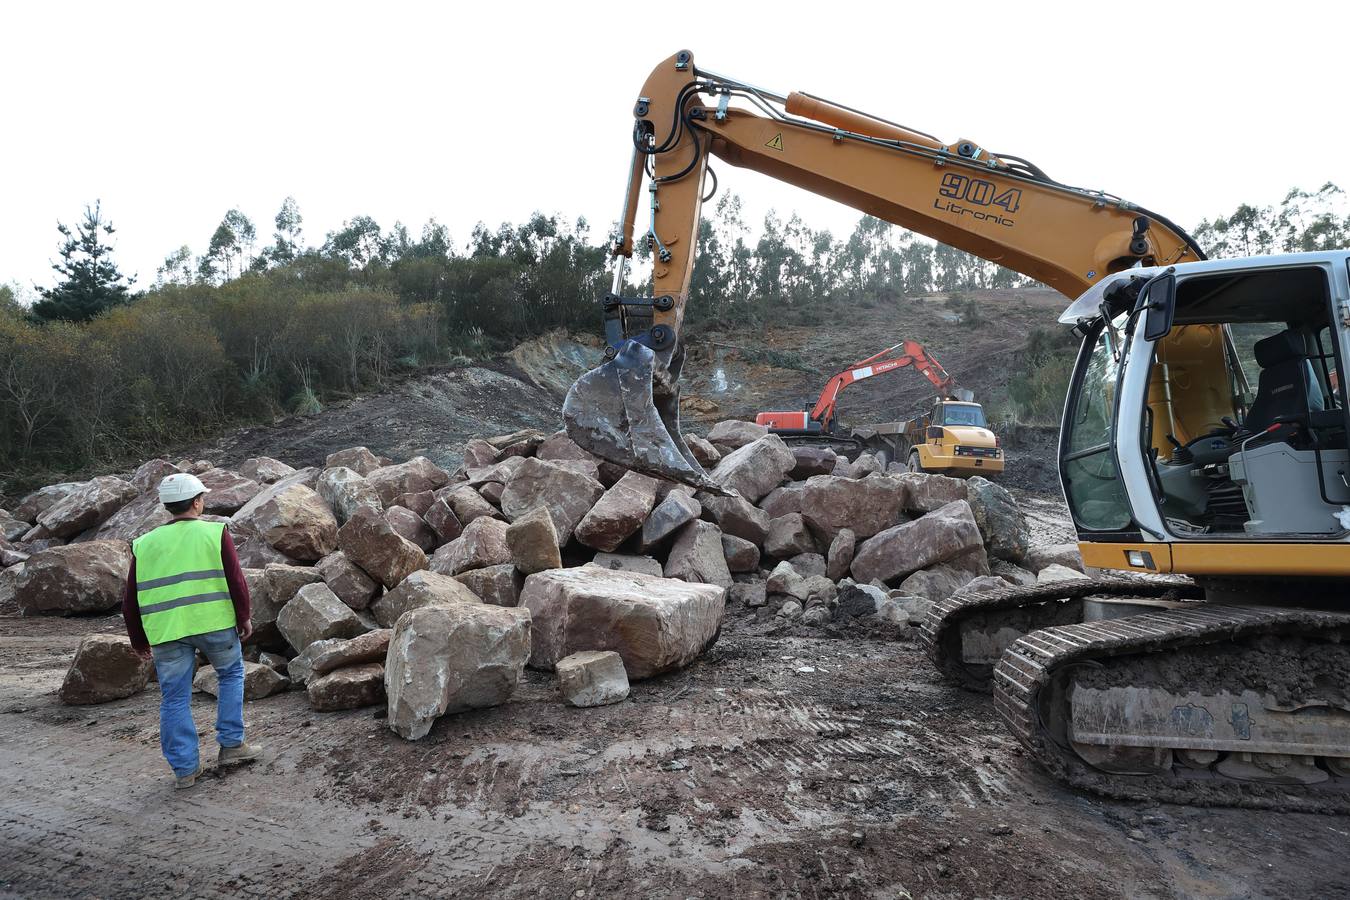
{"points": [[616, 412]]}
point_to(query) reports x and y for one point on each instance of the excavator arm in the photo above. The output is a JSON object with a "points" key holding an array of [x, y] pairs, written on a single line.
{"points": [[911, 353], [996, 206]]}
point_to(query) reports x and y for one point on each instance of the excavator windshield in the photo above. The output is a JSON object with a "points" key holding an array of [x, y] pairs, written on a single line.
{"points": [[961, 414]]}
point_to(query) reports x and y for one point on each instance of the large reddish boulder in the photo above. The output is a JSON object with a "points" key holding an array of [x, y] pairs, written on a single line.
{"points": [[755, 469], [74, 579], [619, 513], [866, 506], [88, 505], [43, 499], [265, 469], [228, 491], [655, 624], [737, 516], [347, 580], [358, 459], [150, 474], [367, 648], [411, 526], [482, 544], [370, 542], [568, 495], [735, 434], [903, 549], [349, 688], [450, 658], [417, 474], [926, 492], [498, 585], [104, 668], [298, 523]]}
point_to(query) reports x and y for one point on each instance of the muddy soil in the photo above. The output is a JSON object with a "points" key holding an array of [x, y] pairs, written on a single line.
{"points": [[787, 762]]}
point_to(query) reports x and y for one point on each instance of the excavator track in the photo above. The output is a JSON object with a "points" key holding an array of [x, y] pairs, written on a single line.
{"points": [[1042, 679], [1003, 615]]}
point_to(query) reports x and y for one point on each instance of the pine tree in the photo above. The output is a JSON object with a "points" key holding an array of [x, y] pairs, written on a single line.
{"points": [[91, 282]]}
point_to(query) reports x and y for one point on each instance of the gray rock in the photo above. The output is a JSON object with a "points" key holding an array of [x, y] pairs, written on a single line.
{"points": [[865, 507], [467, 504], [446, 659], [936, 583], [925, 492], [1001, 522], [840, 556], [420, 589], [592, 678], [532, 542], [627, 562], [417, 474], [670, 515], [315, 613], [358, 459], [741, 555], [812, 461], [618, 514], [788, 536], [817, 615], [783, 499], [1067, 555], [866, 464], [751, 594], [791, 610], [265, 470], [1056, 572], [301, 667], [43, 499], [697, 556], [346, 490], [736, 434], [786, 580], [366, 648], [808, 564], [410, 526], [858, 601], [655, 624], [706, 454], [87, 506], [1013, 574], [736, 516], [259, 681]]}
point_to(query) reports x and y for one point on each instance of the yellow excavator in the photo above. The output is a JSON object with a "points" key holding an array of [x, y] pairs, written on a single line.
{"points": [[1204, 444]]}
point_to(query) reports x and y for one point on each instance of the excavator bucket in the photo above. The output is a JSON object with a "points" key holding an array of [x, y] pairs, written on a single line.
{"points": [[613, 412]]}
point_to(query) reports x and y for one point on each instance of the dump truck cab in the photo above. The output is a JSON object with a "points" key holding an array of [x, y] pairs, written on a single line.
{"points": [[954, 439]]}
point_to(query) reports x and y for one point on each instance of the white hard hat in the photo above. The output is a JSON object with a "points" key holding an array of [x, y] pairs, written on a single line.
{"points": [[179, 487]]}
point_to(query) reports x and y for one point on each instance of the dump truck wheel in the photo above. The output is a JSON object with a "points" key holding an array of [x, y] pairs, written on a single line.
{"points": [[914, 464]]}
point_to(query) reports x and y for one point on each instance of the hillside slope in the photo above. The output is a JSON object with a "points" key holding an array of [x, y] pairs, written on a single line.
{"points": [[730, 374]]}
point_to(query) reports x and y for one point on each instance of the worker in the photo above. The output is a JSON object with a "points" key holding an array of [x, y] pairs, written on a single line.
{"points": [[186, 592]]}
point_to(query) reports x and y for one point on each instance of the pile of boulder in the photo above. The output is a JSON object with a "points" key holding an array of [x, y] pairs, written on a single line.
{"points": [[430, 591]]}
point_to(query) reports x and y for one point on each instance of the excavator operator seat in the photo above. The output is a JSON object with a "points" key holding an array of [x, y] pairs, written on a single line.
{"points": [[1285, 386]]}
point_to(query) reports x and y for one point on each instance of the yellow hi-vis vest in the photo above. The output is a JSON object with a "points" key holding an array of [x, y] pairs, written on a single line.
{"points": [[180, 581]]}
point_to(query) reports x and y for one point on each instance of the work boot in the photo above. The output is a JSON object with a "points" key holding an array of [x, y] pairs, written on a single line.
{"points": [[233, 756], [183, 782]]}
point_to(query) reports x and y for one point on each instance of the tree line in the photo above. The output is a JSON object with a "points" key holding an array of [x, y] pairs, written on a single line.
{"points": [[97, 370]]}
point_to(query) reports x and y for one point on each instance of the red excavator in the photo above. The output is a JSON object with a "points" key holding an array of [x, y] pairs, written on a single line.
{"points": [[952, 438], [822, 419]]}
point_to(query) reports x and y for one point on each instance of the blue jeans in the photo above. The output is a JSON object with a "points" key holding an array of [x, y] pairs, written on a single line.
{"points": [[173, 668]]}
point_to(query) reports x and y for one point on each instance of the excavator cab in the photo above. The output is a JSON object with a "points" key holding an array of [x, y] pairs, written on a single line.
{"points": [[1207, 418]]}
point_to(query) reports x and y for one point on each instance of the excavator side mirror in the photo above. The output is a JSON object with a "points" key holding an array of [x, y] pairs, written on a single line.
{"points": [[1160, 305]]}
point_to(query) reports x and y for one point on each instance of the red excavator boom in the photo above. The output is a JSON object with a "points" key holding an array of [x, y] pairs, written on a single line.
{"points": [[909, 353]]}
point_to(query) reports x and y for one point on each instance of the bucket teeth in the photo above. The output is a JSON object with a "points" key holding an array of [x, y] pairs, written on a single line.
{"points": [[613, 412]]}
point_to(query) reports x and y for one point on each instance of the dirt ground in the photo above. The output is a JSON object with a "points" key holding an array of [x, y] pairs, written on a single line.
{"points": [[787, 762]]}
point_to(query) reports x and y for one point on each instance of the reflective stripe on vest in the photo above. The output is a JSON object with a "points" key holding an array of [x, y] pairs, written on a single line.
{"points": [[180, 581]]}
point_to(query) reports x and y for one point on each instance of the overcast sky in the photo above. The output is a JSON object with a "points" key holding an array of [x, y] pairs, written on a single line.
{"points": [[173, 113]]}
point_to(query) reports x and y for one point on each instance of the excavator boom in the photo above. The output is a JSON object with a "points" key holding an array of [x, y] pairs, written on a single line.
{"points": [[995, 206]]}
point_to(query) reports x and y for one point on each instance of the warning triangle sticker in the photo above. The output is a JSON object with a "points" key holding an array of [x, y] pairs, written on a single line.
{"points": [[776, 143]]}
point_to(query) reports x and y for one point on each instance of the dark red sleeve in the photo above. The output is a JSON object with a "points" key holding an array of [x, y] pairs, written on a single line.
{"points": [[234, 576], [131, 613]]}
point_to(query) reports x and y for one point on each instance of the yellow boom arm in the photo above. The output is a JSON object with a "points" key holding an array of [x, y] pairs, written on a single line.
{"points": [[998, 207]]}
